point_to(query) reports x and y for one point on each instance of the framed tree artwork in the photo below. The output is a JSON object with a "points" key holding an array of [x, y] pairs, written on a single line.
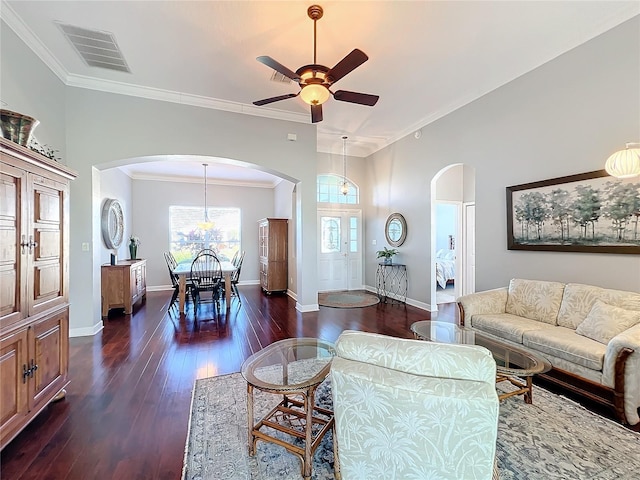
{"points": [[588, 212]]}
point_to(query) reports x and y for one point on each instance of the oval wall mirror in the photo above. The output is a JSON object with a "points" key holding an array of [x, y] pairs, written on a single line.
{"points": [[112, 223], [395, 230]]}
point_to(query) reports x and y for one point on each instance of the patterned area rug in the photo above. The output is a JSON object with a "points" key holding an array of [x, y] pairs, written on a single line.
{"points": [[552, 439], [347, 299]]}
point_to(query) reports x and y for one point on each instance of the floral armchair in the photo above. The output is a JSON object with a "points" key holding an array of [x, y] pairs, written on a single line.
{"points": [[413, 409]]}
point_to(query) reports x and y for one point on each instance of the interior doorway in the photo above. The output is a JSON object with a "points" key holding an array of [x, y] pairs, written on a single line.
{"points": [[452, 234], [448, 233]]}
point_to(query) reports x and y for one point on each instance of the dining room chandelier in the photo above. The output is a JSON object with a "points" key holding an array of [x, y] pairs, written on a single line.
{"points": [[624, 163], [344, 188]]}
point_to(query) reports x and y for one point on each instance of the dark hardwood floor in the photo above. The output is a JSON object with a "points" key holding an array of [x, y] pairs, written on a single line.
{"points": [[127, 407]]}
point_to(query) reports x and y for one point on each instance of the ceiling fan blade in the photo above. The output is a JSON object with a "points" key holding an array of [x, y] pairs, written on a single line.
{"points": [[355, 97], [278, 67], [347, 64], [316, 113], [259, 103]]}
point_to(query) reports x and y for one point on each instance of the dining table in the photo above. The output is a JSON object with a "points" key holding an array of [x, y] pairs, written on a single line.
{"points": [[183, 272]]}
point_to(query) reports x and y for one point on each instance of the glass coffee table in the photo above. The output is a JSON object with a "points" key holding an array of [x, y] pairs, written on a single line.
{"points": [[512, 363], [293, 368]]}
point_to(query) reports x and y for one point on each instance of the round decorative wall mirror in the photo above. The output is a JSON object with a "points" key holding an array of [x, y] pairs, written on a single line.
{"points": [[395, 230], [112, 223]]}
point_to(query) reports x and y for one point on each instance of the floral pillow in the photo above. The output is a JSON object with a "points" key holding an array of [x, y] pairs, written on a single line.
{"points": [[606, 321]]}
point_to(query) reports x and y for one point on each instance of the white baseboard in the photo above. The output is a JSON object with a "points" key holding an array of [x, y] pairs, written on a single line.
{"points": [[87, 331], [159, 288], [307, 308], [409, 301]]}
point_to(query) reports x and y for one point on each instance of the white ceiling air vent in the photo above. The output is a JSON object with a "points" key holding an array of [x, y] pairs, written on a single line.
{"points": [[278, 77], [96, 48]]}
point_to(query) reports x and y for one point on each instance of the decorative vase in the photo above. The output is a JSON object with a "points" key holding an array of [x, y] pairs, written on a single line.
{"points": [[17, 127], [388, 260], [133, 251]]}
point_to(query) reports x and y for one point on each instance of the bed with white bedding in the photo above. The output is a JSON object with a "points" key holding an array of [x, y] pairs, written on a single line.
{"points": [[445, 267]]}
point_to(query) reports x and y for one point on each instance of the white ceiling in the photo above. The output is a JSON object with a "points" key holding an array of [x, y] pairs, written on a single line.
{"points": [[426, 58]]}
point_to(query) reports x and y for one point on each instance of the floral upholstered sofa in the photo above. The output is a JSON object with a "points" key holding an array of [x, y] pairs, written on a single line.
{"points": [[590, 335]]}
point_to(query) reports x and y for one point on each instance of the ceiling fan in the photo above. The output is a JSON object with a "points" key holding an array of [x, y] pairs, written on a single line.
{"points": [[315, 79]]}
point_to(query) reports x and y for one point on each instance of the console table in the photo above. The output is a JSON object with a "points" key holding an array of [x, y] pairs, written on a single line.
{"points": [[123, 284], [392, 282]]}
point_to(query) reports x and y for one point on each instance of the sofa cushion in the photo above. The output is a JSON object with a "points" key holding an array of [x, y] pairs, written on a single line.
{"points": [[507, 326], [564, 343], [578, 300], [606, 321], [584, 372], [535, 299]]}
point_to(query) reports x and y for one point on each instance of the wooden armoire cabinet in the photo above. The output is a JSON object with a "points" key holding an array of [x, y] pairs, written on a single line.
{"points": [[123, 284], [273, 250], [34, 283]]}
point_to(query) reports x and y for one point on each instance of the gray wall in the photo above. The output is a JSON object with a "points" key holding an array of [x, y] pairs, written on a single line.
{"points": [[28, 86], [285, 207], [151, 202], [117, 185], [563, 118]]}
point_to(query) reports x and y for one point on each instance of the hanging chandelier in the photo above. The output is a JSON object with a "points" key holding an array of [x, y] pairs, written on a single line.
{"points": [[344, 189]]}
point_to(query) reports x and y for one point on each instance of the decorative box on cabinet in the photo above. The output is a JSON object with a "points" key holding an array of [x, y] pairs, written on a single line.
{"points": [[34, 281], [123, 284], [273, 250]]}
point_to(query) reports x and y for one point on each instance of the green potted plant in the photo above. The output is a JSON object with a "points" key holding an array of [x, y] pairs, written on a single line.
{"points": [[387, 254]]}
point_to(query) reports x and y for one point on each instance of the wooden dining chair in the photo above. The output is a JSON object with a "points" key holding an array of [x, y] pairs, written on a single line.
{"points": [[234, 260], [171, 265], [206, 276], [235, 276]]}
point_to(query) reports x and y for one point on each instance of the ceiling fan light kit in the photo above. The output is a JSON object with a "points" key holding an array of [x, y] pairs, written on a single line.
{"points": [[315, 79]]}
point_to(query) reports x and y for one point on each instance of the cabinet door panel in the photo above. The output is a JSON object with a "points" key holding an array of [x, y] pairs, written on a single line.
{"points": [[13, 219], [48, 262], [48, 245], [46, 282], [50, 354], [14, 404]]}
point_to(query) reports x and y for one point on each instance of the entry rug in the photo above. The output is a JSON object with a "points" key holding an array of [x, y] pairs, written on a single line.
{"points": [[554, 438], [347, 299]]}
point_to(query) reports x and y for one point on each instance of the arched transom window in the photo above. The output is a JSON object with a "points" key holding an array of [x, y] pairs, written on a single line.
{"points": [[330, 190]]}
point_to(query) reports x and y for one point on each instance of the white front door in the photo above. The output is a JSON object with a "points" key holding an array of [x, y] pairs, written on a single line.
{"points": [[340, 257]]}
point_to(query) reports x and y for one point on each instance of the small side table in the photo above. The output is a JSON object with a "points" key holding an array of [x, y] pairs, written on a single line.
{"points": [[293, 367], [392, 282]]}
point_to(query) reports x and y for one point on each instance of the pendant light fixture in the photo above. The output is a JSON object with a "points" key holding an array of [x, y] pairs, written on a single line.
{"points": [[624, 163], [207, 224], [345, 185]]}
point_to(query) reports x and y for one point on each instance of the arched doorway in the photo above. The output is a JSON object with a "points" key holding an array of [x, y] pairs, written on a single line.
{"points": [[452, 233], [149, 193]]}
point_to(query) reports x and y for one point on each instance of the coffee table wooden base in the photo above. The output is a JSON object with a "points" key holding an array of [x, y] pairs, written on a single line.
{"points": [[523, 388], [295, 418]]}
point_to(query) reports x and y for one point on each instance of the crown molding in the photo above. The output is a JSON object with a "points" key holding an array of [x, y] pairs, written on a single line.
{"points": [[210, 181], [11, 18], [122, 88]]}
